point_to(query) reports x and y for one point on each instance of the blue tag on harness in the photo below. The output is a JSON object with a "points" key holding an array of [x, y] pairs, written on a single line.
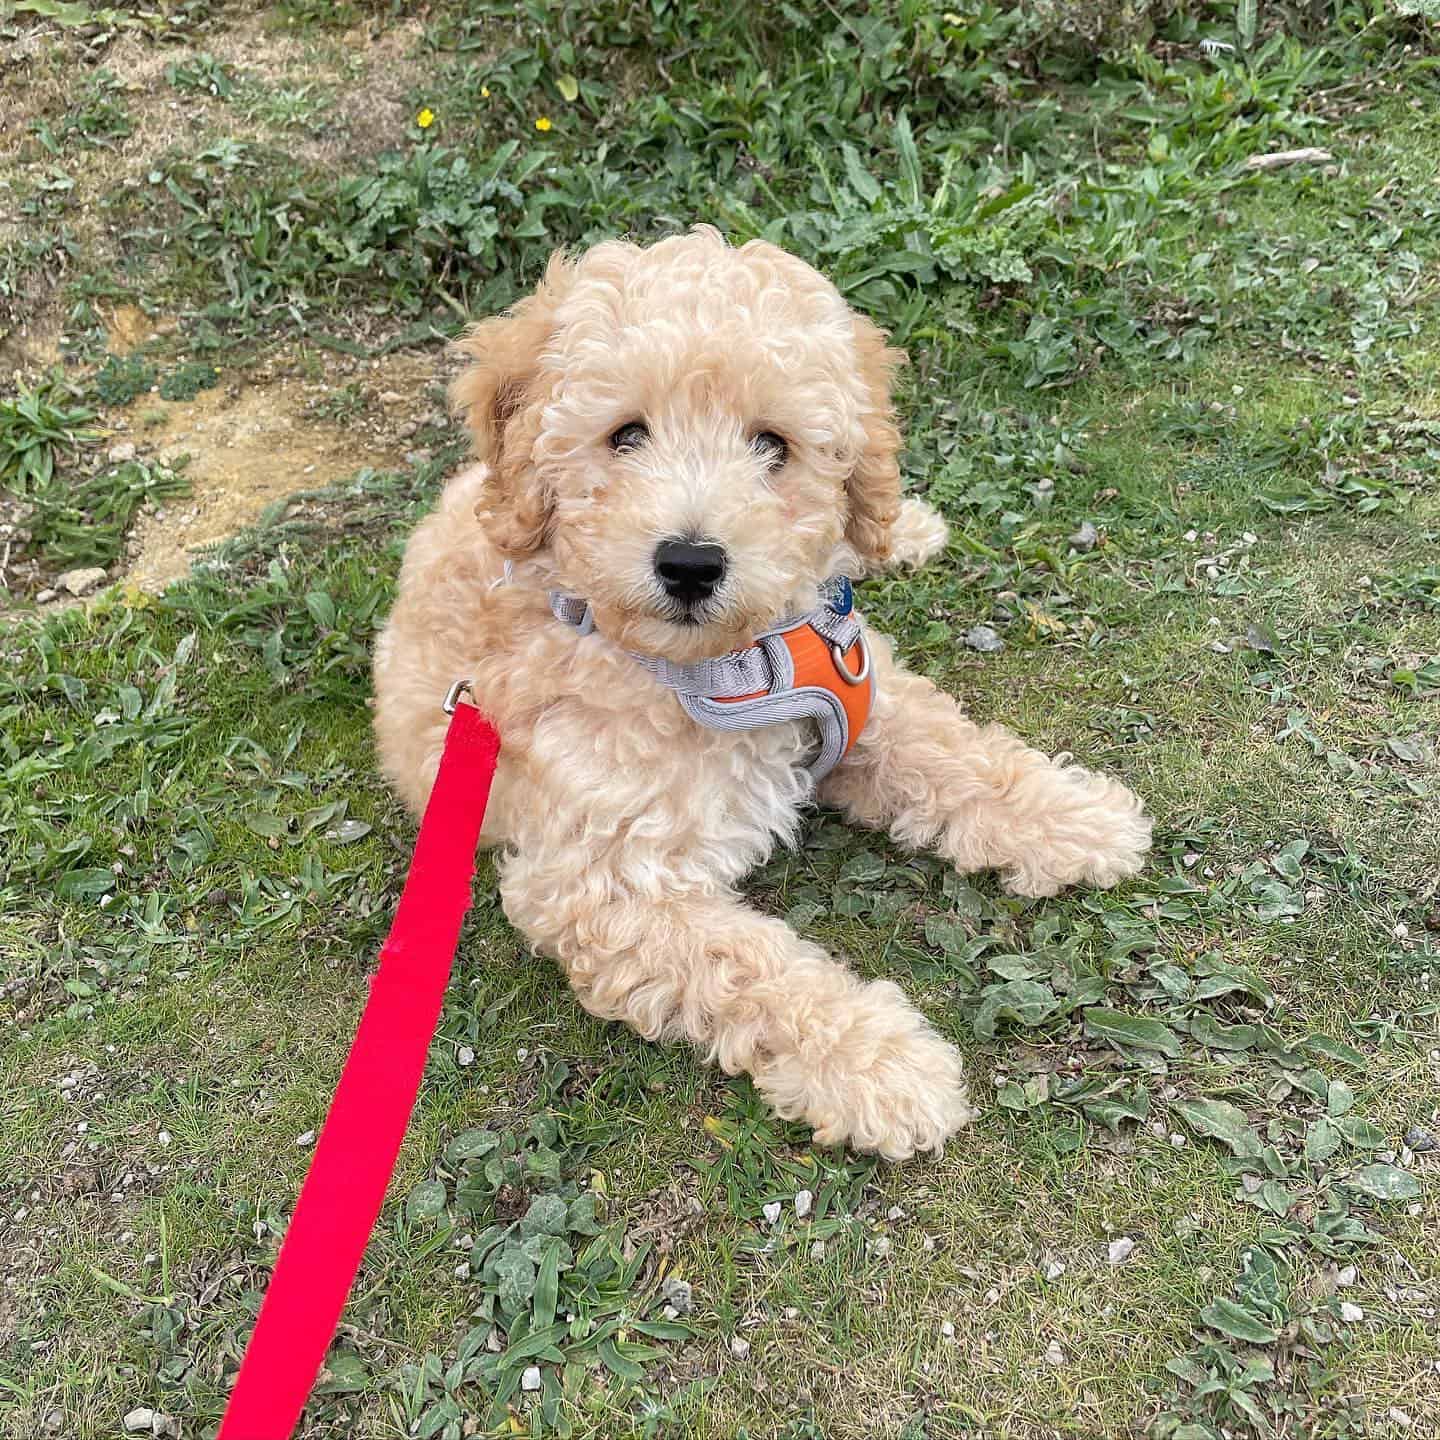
{"points": [[842, 595]]}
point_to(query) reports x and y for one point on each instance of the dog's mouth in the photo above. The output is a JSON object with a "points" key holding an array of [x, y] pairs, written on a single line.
{"points": [[689, 617]]}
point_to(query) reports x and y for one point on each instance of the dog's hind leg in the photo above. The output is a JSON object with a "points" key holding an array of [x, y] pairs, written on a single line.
{"points": [[856, 1061], [980, 796]]}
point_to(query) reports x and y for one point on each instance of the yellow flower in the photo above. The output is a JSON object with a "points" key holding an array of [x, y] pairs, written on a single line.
{"points": [[484, 92], [426, 118], [543, 123]]}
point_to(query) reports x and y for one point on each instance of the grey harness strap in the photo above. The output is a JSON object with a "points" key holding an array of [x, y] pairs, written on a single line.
{"points": [[756, 685]]}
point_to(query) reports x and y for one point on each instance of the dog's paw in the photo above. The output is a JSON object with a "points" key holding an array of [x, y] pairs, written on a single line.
{"points": [[917, 536], [879, 1080], [1095, 832]]}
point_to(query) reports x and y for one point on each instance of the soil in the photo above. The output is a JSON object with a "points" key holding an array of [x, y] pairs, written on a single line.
{"points": [[252, 444]]}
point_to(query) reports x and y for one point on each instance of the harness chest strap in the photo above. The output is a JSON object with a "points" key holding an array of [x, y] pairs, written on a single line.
{"points": [[814, 666]]}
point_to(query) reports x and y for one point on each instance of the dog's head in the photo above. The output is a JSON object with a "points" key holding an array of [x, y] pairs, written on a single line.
{"points": [[694, 436]]}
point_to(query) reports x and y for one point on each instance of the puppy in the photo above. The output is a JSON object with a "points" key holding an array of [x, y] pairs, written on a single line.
{"points": [[680, 450]]}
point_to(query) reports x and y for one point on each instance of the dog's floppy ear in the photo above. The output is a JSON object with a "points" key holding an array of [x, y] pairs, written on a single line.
{"points": [[500, 396], [874, 484]]}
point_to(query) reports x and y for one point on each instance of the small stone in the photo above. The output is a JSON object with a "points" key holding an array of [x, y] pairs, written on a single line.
{"points": [[530, 1378], [1085, 539], [1419, 1139], [739, 1347], [45, 596], [1351, 1313], [1399, 1417], [390, 397], [771, 1212], [1121, 1250], [984, 638], [947, 1329], [817, 1250], [465, 1056], [166, 1426], [677, 1292], [54, 1421], [80, 582], [139, 1420], [1219, 647], [119, 454], [880, 1246], [1346, 1277], [1054, 1355], [804, 1203], [307, 1139], [1054, 1270], [894, 1213]]}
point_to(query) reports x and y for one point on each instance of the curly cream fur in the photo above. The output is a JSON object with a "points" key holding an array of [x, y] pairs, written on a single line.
{"points": [[626, 827]]}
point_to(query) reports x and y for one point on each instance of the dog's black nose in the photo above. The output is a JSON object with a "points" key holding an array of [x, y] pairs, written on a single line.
{"points": [[689, 571]]}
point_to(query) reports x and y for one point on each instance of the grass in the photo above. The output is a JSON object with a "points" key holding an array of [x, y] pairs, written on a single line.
{"points": [[1232, 377]]}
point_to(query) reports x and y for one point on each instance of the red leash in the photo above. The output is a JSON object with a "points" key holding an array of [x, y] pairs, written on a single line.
{"points": [[355, 1158]]}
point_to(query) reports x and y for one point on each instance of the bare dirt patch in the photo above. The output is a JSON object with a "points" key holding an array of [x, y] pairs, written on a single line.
{"points": [[251, 444]]}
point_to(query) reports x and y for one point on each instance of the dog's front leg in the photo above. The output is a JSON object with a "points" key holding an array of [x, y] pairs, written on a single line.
{"points": [[979, 796], [855, 1061]]}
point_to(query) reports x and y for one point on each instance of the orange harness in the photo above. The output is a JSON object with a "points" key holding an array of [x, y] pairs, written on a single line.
{"points": [[814, 666]]}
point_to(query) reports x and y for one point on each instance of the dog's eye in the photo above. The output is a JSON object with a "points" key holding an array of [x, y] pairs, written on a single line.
{"points": [[630, 437], [771, 449]]}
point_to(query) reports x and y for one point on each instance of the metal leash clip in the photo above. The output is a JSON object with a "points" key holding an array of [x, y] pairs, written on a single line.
{"points": [[453, 694]]}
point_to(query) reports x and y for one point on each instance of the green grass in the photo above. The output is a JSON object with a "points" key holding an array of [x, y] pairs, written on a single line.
{"points": [[1235, 378]]}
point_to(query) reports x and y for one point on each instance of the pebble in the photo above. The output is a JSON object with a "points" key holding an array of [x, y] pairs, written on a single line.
{"points": [[1054, 1270], [817, 1250], [677, 1292], [894, 1213], [1346, 1276], [1086, 538], [947, 1329], [771, 1212], [81, 581], [390, 397], [54, 1421], [739, 1347], [984, 638], [44, 597], [880, 1246], [1419, 1139], [119, 454], [804, 1203], [1351, 1313], [1054, 1355], [1121, 1250], [139, 1420], [465, 1055], [530, 1378], [308, 1138]]}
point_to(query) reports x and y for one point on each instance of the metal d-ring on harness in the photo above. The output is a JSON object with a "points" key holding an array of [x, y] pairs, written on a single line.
{"points": [[814, 666]]}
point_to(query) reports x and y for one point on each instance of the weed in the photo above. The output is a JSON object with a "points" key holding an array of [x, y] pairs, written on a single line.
{"points": [[186, 381], [120, 379], [35, 428]]}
